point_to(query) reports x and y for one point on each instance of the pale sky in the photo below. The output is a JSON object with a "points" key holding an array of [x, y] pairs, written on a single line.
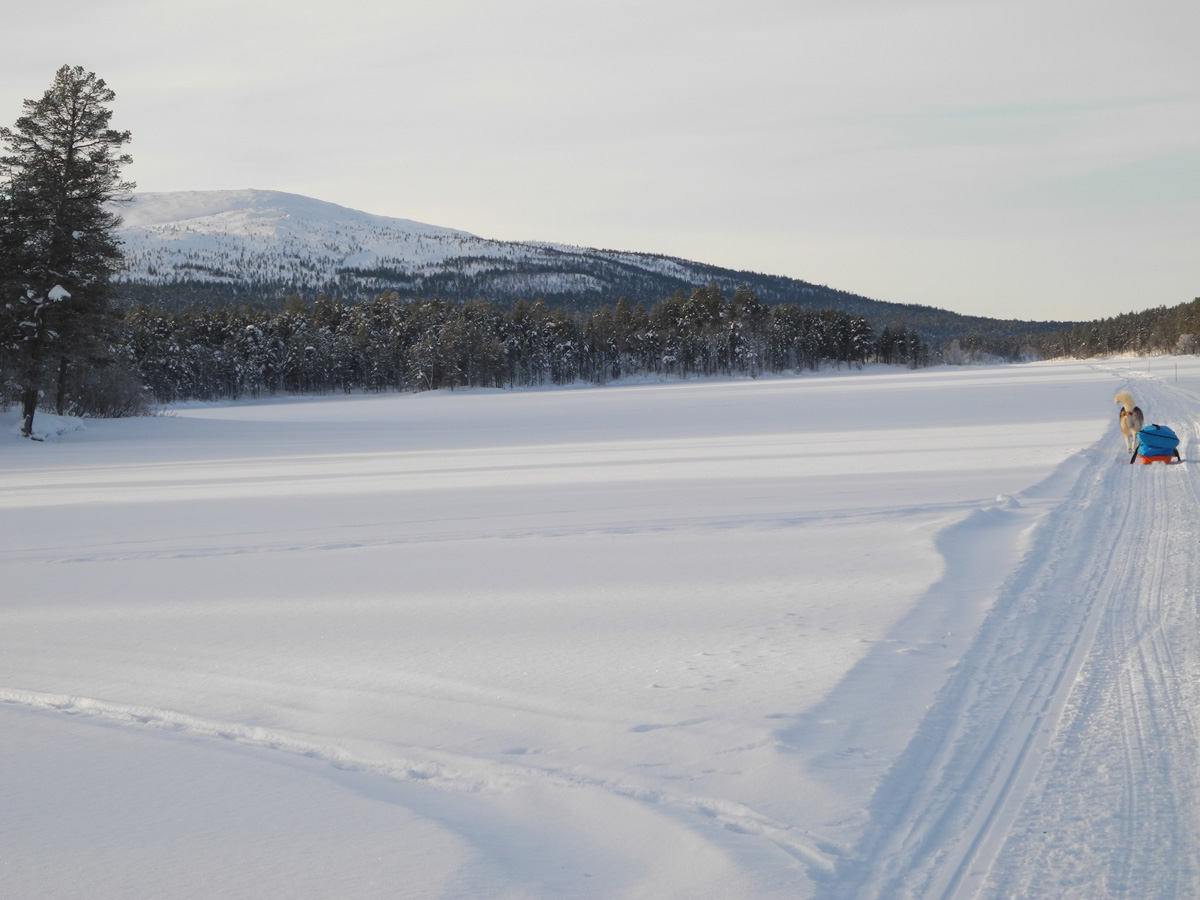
{"points": [[1028, 159]]}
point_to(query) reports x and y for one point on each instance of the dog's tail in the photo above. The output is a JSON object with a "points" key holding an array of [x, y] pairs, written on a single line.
{"points": [[1124, 398]]}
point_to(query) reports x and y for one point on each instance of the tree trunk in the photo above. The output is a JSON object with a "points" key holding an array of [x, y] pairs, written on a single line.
{"points": [[29, 401], [60, 395], [33, 366]]}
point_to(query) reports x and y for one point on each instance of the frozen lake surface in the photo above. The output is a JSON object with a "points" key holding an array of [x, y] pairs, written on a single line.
{"points": [[874, 634]]}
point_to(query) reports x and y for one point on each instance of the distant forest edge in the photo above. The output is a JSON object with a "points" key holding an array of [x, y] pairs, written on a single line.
{"points": [[393, 343], [152, 355], [576, 281], [1163, 329]]}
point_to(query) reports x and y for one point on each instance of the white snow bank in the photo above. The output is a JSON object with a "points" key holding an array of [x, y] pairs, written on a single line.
{"points": [[46, 427]]}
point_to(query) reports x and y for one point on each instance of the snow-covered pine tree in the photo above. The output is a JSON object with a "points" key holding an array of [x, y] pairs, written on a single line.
{"points": [[57, 245]]}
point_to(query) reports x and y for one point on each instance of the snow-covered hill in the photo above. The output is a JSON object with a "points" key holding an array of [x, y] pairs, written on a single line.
{"points": [[203, 247], [275, 243]]}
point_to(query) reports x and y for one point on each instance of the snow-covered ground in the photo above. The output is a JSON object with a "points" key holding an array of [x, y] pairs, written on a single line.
{"points": [[883, 634]]}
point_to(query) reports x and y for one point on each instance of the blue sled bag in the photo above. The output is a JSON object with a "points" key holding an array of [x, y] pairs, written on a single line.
{"points": [[1157, 441]]}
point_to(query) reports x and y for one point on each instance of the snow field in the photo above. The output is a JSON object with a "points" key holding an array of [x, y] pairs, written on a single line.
{"points": [[661, 640]]}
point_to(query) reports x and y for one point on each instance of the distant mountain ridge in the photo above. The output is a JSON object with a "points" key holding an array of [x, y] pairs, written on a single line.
{"points": [[251, 246]]}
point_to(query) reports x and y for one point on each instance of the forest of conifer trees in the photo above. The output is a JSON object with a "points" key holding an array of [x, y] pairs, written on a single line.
{"points": [[391, 343], [1163, 329]]}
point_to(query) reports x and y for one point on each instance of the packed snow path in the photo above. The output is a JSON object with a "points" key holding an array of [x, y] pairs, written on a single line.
{"points": [[1061, 758]]}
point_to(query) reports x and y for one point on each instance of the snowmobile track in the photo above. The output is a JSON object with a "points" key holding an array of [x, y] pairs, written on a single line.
{"points": [[1059, 758]]}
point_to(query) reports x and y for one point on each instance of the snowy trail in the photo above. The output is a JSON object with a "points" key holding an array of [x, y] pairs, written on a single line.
{"points": [[1060, 758]]}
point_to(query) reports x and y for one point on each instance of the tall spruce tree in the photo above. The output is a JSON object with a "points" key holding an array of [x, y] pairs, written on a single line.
{"points": [[58, 250]]}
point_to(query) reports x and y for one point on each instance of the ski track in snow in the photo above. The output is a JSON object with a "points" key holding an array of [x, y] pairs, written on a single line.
{"points": [[436, 769], [1060, 759]]}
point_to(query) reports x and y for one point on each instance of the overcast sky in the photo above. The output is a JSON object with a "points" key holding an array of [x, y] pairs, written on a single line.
{"points": [[1031, 159]]}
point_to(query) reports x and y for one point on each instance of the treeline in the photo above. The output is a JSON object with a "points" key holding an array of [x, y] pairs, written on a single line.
{"points": [[1163, 329], [390, 343]]}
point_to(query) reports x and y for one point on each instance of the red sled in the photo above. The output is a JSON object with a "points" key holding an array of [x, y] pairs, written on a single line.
{"points": [[1146, 460]]}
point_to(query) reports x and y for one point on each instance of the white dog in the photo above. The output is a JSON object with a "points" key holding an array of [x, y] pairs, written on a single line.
{"points": [[1131, 420]]}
